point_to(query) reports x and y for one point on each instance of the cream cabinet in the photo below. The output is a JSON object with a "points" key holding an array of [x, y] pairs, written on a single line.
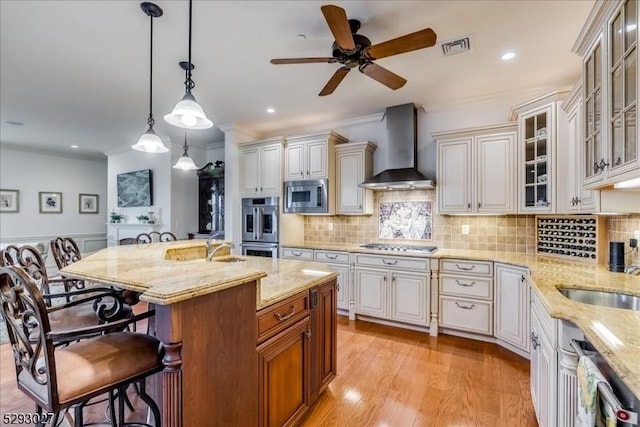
{"points": [[512, 307], [608, 44], [385, 289], [466, 296], [311, 156], [354, 165], [541, 124], [476, 169], [261, 169], [340, 262]]}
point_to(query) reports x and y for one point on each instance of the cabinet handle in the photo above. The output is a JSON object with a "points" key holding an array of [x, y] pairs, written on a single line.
{"points": [[260, 189], [296, 253], [338, 286], [522, 278], [307, 173], [465, 284], [308, 333], [618, 161], [359, 206], [384, 279], [301, 173], [282, 317], [334, 256], [468, 205], [466, 307], [256, 189], [394, 262], [534, 341], [393, 279], [601, 166], [479, 204], [465, 268]]}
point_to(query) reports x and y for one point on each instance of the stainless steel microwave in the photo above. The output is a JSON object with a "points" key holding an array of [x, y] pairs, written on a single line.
{"points": [[306, 196]]}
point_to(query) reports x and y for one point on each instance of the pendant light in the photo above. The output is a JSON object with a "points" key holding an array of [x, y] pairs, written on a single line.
{"points": [[188, 113], [185, 162], [150, 142]]}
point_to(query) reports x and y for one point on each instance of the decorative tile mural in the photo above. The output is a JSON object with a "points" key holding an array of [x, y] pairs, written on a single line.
{"points": [[405, 220]]}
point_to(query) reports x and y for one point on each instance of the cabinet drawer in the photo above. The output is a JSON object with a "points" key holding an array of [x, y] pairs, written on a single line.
{"points": [[297, 253], [279, 316], [466, 315], [332, 256], [480, 268], [393, 262], [466, 286]]}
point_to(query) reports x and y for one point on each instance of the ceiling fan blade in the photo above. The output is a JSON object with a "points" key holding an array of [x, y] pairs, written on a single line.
{"points": [[338, 23], [403, 44], [280, 61], [384, 76], [334, 81]]}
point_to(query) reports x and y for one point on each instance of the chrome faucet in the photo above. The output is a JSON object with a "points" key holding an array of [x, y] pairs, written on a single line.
{"points": [[211, 252], [633, 269]]}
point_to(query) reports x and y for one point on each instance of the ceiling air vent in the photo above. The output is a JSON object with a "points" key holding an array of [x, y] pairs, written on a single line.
{"points": [[453, 47]]}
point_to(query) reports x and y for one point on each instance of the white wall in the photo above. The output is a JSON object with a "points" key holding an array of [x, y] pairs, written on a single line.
{"points": [[184, 193], [30, 173], [129, 161]]}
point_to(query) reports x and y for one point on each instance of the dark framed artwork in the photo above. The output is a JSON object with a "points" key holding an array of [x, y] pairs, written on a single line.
{"points": [[135, 189], [50, 202], [88, 203], [9, 200]]}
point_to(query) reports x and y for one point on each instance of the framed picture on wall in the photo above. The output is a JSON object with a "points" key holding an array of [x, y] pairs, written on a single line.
{"points": [[8, 200], [50, 202], [88, 203]]}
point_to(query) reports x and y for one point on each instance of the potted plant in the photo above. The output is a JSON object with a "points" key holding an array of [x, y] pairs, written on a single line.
{"points": [[116, 217], [142, 219]]}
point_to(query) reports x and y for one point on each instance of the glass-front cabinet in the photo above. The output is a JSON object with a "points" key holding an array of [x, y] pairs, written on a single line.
{"points": [[608, 45], [623, 78], [536, 161]]}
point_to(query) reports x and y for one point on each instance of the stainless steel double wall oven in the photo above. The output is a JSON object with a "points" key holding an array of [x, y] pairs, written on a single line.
{"points": [[260, 226]]}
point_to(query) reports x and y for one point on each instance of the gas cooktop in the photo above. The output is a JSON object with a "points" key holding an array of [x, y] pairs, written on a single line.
{"points": [[400, 248]]}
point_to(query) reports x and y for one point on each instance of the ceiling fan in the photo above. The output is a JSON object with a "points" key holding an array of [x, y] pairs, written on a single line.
{"points": [[355, 50]]}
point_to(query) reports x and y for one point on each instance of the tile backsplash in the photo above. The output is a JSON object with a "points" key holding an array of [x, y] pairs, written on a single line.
{"points": [[513, 233]]}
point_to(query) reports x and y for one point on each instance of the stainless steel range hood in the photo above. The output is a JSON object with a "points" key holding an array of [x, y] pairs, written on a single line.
{"points": [[402, 133]]}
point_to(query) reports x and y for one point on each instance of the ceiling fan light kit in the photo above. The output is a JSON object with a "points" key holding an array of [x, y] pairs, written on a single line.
{"points": [[150, 142], [355, 50], [188, 113]]}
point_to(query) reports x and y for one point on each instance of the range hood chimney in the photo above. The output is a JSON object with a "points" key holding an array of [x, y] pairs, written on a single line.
{"points": [[402, 133]]}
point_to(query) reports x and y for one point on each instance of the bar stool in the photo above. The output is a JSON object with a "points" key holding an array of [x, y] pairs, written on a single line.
{"points": [[156, 236], [65, 252], [59, 378]]}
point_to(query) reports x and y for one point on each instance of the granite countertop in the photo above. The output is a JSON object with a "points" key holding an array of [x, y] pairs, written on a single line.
{"points": [[614, 332], [143, 268]]}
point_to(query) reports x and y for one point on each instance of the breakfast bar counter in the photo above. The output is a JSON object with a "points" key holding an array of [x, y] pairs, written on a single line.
{"points": [[207, 316]]}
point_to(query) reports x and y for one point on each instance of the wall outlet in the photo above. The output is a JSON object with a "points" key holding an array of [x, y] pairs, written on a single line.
{"points": [[330, 226], [465, 229]]}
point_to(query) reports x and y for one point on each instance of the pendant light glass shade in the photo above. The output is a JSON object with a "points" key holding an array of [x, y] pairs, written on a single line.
{"points": [[187, 113], [150, 142], [185, 162]]}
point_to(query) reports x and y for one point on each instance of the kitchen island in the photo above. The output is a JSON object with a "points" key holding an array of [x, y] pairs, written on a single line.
{"points": [[234, 330]]}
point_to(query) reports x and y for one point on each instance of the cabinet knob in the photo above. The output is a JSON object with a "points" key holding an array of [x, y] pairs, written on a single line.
{"points": [[260, 189], [256, 189], [479, 204], [618, 161], [534, 341], [307, 173], [468, 205], [301, 173]]}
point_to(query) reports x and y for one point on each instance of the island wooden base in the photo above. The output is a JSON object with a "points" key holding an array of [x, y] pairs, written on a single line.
{"points": [[210, 376]]}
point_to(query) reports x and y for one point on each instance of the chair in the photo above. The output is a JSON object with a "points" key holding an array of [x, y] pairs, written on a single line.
{"points": [[127, 241], [156, 236], [84, 307], [59, 378], [65, 252]]}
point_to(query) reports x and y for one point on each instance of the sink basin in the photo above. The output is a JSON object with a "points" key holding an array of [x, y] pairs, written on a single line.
{"points": [[227, 259], [607, 299]]}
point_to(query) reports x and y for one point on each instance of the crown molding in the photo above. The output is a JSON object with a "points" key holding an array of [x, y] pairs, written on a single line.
{"points": [[51, 152]]}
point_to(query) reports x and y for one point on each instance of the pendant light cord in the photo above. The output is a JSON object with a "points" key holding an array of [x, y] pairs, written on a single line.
{"points": [[189, 84], [150, 120]]}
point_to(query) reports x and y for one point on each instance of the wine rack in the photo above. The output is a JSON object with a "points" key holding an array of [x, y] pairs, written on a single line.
{"points": [[571, 237]]}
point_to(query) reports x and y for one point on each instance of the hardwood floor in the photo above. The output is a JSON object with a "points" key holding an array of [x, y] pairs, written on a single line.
{"points": [[395, 378]]}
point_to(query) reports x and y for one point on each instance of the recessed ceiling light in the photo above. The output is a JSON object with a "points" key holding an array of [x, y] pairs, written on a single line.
{"points": [[271, 110], [74, 146], [508, 55], [14, 123]]}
